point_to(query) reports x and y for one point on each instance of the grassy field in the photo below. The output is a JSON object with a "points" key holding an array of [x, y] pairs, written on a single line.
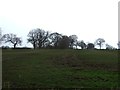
{"points": [[60, 68]]}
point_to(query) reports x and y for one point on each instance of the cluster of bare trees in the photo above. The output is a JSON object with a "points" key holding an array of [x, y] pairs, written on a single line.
{"points": [[44, 39]]}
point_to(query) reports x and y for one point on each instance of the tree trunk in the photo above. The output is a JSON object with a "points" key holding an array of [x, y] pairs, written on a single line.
{"points": [[34, 45], [15, 45], [40, 45], [100, 46]]}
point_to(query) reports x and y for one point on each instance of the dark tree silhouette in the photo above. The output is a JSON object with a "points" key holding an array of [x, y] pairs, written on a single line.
{"points": [[81, 44], [90, 46], [73, 40], [38, 37], [99, 42], [32, 38], [54, 39], [64, 42], [12, 38], [42, 37]]}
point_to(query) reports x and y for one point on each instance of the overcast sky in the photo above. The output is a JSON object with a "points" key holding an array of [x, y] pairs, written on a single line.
{"points": [[88, 19]]}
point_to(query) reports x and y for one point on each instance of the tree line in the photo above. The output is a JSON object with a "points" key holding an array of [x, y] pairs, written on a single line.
{"points": [[40, 38]]}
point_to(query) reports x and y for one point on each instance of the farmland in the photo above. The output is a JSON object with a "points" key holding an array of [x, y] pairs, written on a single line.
{"points": [[55, 68]]}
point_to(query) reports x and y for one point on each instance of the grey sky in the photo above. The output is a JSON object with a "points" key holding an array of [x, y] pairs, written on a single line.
{"points": [[88, 19]]}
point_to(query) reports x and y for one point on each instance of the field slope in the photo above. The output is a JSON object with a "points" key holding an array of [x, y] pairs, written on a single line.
{"points": [[47, 68]]}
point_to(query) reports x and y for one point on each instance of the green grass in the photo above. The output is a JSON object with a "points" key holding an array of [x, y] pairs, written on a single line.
{"points": [[47, 68]]}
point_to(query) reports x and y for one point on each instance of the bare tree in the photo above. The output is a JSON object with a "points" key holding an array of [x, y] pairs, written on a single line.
{"points": [[73, 40], [32, 38], [42, 37], [12, 38], [38, 37], [81, 44], [54, 39], [99, 42]]}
